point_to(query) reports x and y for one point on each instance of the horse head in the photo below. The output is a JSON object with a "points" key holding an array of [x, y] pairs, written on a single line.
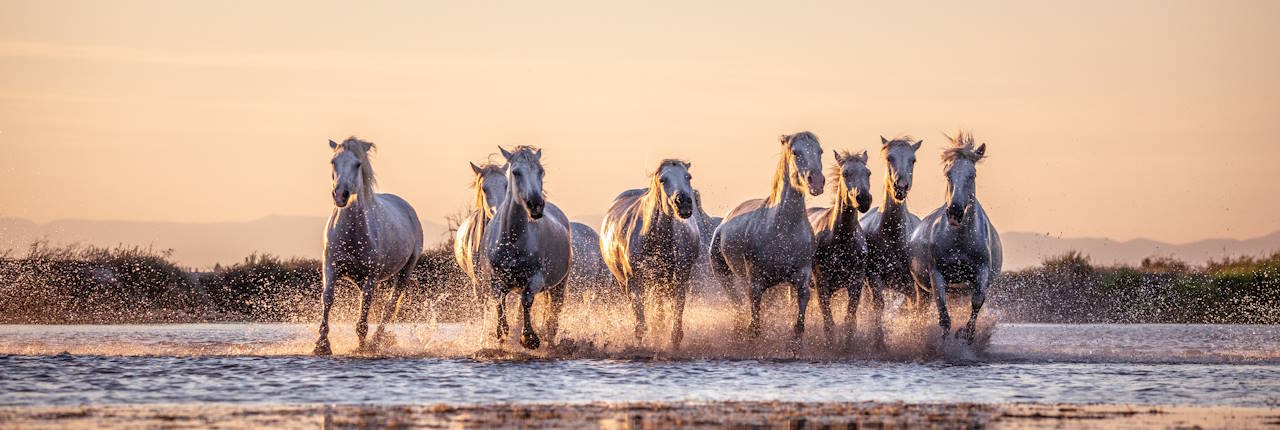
{"points": [[524, 178]]}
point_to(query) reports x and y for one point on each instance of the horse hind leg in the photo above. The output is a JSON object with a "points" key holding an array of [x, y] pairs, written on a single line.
{"points": [[636, 292], [402, 281]]}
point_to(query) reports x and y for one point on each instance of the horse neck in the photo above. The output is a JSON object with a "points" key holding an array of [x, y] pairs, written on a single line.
{"points": [[784, 196], [845, 221], [513, 217], [893, 215], [657, 219]]}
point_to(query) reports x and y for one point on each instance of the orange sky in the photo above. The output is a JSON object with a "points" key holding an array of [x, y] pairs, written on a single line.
{"points": [[1119, 119]]}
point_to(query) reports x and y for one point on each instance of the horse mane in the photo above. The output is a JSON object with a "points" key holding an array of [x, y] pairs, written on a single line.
{"points": [[780, 178], [486, 169], [652, 200], [961, 147], [357, 147], [901, 139], [837, 170]]}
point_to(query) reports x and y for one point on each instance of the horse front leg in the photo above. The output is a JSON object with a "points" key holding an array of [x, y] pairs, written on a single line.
{"points": [[528, 338], [497, 291], [801, 283], [366, 300], [979, 297], [940, 298], [326, 298], [755, 295], [635, 292], [851, 312], [824, 304], [679, 294], [877, 311]]}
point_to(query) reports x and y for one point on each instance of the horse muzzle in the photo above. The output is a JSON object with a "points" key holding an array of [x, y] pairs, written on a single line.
{"points": [[864, 202], [684, 206], [955, 214], [535, 209], [816, 183], [341, 198]]}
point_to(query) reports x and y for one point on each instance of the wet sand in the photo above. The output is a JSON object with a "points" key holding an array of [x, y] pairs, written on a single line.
{"points": [[643, 415]]}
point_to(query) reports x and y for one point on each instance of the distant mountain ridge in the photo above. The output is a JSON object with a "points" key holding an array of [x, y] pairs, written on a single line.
{"points": [[201, 245], [197, 245]]}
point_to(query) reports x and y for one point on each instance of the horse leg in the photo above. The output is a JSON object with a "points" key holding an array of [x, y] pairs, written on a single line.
{"points": [[326, 297], [557, 304], [366, 299], [979, 297], [801, 283], [824, 304], [721, 272], [940, 293], [851, 311], [402, 280], [877, 311], [681, 290], [756, 294], [528, 338], [502, 328], [636, 291]]}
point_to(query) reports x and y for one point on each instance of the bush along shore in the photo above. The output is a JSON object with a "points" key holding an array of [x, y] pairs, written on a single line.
{"points": [[85, 284]]}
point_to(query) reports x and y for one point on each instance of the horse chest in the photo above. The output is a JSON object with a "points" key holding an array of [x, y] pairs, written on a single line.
{"points": [[957, 263]]}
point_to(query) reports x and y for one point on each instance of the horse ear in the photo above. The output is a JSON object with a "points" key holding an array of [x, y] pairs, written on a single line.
{"points": [[884, 141], [332, 144], [837, 155], [783, 139], [367, 146], [916, 146], [982, 150], [538, 154], [863, 156], [474, 168], [505, 154]]}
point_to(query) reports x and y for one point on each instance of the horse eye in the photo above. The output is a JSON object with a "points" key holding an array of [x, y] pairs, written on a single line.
{"points": [[662, 179], [688, 177]]}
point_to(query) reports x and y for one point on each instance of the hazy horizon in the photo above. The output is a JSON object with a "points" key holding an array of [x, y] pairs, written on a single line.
{"points": [[1137, 119]]}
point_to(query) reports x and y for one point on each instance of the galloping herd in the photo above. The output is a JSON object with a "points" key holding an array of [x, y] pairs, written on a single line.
{"points": [[652, 238]]}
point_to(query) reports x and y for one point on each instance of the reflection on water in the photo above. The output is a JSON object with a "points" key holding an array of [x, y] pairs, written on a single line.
{"points": [[266, 364]]}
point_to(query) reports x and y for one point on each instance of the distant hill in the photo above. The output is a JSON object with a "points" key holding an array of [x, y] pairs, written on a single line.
{"points": [[1023, 249], [201, 245], [197, 245]]}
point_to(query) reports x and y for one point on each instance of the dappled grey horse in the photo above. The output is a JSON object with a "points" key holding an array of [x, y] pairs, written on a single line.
{"points": [[765, 242], [650, 241], [528, 251], [888, 228], [840, 256], [369, 238], [956, 243], [490, 187]]}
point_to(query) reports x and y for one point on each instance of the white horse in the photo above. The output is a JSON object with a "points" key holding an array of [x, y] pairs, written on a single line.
{"points": [[490, 186], [766, 242], [369, 238], [650, 242], [956, 243], [527, 250]]}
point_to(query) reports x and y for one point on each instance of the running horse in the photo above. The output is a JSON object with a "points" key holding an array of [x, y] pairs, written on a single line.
{"points": [[369, 238], [650, 241], [490, 186], [888, 228], [766, 242], [528, 245], [956, 243], [840, 259]]}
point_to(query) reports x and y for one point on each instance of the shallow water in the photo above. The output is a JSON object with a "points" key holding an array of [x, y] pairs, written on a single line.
{"points": [[267, 364]]}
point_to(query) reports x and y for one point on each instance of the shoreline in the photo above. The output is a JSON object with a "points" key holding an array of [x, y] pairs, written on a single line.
{"points": [[642, 415]]}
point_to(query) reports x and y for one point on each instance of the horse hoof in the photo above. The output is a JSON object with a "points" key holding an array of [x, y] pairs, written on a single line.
{"points": [[530, 341], [322, 348]]}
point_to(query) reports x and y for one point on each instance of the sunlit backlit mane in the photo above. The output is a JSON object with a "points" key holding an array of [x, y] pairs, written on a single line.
{"points": [[961, 147]]}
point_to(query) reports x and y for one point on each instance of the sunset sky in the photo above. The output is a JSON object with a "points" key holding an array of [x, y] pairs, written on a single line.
{"points": [[1118, 119]]}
